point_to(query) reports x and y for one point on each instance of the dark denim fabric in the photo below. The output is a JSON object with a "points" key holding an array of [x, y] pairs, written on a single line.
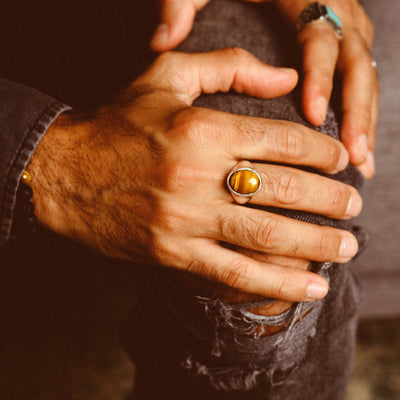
{"points": [[25, 115], [200, 348]]}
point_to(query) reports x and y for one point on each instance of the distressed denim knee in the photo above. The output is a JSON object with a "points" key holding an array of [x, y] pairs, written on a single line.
{"points": [[188, 346]]}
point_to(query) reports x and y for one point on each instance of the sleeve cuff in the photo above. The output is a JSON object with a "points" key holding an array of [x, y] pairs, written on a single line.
{"points": [[20, 163]]}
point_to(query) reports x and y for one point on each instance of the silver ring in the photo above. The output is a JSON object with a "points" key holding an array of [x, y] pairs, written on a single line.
{"points": [[319, 12], [244, 182]]}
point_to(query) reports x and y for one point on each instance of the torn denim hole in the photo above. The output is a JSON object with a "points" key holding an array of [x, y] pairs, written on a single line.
{"points": [[241, 362], [239, 357], [241, 321]]}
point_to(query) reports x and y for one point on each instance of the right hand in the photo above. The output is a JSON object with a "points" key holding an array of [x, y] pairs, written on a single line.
{"points": [[143, 179]]}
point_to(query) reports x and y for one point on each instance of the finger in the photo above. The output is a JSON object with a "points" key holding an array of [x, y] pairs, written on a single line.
{"points": [[275, 234], [365, 25], [189, 75], [275, 308], [359, 82], [284, 261], [368, 167], [294, 189], [278, 141], [374, 117], [176, 21], [251, 276], [320, 46]]}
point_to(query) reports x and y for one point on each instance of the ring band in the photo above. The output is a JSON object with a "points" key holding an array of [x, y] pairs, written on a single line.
{"points": [[244, 182], [319, 12]]}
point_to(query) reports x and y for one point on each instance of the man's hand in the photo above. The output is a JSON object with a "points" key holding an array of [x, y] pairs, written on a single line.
{"points": [[323, 53], [144, 178]]}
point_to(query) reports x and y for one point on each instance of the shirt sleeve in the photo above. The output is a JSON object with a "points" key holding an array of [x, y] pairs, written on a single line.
{"points": [[25, 116]]}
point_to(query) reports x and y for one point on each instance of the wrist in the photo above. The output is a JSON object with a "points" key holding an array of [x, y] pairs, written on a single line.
{"points": [[51, 169]]}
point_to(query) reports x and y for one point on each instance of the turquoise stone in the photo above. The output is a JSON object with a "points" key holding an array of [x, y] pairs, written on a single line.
{"points": [[334, 17]]}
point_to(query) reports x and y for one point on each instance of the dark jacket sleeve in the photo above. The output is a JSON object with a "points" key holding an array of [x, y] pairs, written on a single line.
{"points": [[25, 115]]}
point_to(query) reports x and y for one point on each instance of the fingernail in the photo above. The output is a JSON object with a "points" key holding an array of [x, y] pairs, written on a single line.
{"points": [[368, 168], [287, 70], [316, 291], [348, 246], [321, 105], [362, 146], [343, 161], [354, 206], [161, 35], [371, 162]]}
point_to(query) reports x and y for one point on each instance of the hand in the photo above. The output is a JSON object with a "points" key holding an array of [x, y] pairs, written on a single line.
{"points": [[323, 53], [144, 178]]}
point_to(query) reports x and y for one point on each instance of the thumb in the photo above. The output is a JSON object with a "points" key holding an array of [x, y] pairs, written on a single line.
{"points": [[189, 75], [176, 21], [237, 69]]}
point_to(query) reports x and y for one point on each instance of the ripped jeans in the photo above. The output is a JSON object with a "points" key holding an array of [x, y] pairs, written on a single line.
{"points": [[188, 345]]}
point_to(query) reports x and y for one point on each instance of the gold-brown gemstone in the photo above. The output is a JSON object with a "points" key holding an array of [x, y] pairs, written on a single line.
{"points": [[245, 182]]}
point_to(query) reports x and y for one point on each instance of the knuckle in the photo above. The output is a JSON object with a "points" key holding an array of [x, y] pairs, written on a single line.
{"points": [[358, 119], [287, 189], [237, 52], [265, 234], [292, 143], [338, 201], [189, 122], [360, 56], [226, 227], [285, 286], [247, 232], [366, 23], [201, 268], [365, 114], [332, 154], [235, 229], [241, 129], [325, 245], [238, 275], [322, 247], [254, 132], [324, 78]]}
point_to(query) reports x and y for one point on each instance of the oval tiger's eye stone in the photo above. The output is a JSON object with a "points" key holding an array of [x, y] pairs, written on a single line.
{"points": [[244, 182]]}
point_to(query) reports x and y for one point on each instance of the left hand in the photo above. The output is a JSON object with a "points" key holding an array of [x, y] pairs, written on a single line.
{"points": [[323, 53]]}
